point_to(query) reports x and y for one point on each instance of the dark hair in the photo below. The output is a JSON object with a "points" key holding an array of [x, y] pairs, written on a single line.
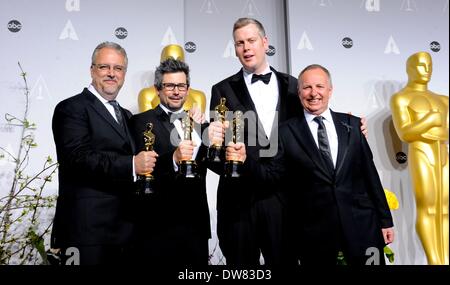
{"points": [[170, 65], [317, 66], [242, 22], [112, 45]]}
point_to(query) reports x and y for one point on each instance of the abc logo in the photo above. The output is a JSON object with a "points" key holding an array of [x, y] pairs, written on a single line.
{"points": [[14, 26], [190, 47], [271, 51], [347, 42], [121, 33], [435, 46], [401, 157]]}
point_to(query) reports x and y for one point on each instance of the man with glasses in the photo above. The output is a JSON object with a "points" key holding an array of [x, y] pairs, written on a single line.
{"points": [[96, 166], [148, 97], [173, 222]]}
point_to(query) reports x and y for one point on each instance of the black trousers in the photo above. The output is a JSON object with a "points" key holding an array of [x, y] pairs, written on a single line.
{"points": [[174, 246], [247, 232]]}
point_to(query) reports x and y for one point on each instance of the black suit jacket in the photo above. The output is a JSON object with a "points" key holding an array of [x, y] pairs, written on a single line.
{"points": [[95, 174], [176, 201], [250, 189], [352, 198]]}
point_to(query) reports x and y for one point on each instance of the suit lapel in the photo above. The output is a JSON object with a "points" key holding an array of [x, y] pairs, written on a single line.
{"points": [[243, 96], [281, 113], [164, 118], [127, 115], [282, 91], [103, 112], [342, 125], [302, 133], [240, 89]]}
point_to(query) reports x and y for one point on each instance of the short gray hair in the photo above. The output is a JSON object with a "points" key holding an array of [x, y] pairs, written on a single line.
{"points": [[112, 45]]}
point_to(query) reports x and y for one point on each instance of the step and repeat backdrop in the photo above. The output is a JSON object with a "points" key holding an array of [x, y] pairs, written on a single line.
{"points": [[364, 43]]}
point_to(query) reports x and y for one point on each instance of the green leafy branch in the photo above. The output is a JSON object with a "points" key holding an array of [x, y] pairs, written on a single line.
{"points": [[21, 240]]}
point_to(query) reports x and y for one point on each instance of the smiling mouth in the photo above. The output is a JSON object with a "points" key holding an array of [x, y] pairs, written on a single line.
{"points": [[315, 100]]}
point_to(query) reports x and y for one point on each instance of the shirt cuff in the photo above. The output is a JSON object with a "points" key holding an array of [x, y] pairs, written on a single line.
{"points": [[134, 171], [175, 166]]}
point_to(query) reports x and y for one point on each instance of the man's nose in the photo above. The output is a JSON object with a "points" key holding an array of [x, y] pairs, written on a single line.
{"points": [[110, 72], [246, 46]]}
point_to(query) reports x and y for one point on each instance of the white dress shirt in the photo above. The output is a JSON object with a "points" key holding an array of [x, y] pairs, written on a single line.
{"points": [[108, 106], [195, 137], [331, 131], [265, 97]]}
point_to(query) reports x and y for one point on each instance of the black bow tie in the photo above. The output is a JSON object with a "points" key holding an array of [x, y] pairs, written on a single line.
{"points": [[263, 77], [177, 116]]}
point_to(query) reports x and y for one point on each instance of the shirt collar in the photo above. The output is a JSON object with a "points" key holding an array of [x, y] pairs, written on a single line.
{"points": [[167, 111], [92, 89], [326, 115], [248, 75]]}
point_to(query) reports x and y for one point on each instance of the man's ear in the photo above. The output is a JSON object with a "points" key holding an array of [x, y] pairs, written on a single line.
{"points": [[266, 42], [157, 90], [92, 71]]}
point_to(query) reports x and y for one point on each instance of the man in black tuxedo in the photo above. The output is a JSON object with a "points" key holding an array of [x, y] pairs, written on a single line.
{"points": [[325, 166], [96, 165], [249, 214], [173, 224]]}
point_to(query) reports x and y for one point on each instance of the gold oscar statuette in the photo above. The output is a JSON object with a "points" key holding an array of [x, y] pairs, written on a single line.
{"points": [[421, 119], [144, 181], [187, 167], [233, 167], [216, 152]]}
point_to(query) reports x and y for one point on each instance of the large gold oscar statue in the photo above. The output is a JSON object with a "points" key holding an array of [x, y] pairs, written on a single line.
{"points": [[421, 119], [148, 97]]}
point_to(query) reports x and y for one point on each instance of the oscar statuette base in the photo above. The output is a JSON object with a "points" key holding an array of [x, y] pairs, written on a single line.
{"points": [[216, 153], [144, 185], [188, 169], [233, 169]]}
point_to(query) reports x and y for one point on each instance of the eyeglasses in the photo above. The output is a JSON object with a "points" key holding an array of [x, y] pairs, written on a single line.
{"points": [[171, 86], [107, 67]]}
